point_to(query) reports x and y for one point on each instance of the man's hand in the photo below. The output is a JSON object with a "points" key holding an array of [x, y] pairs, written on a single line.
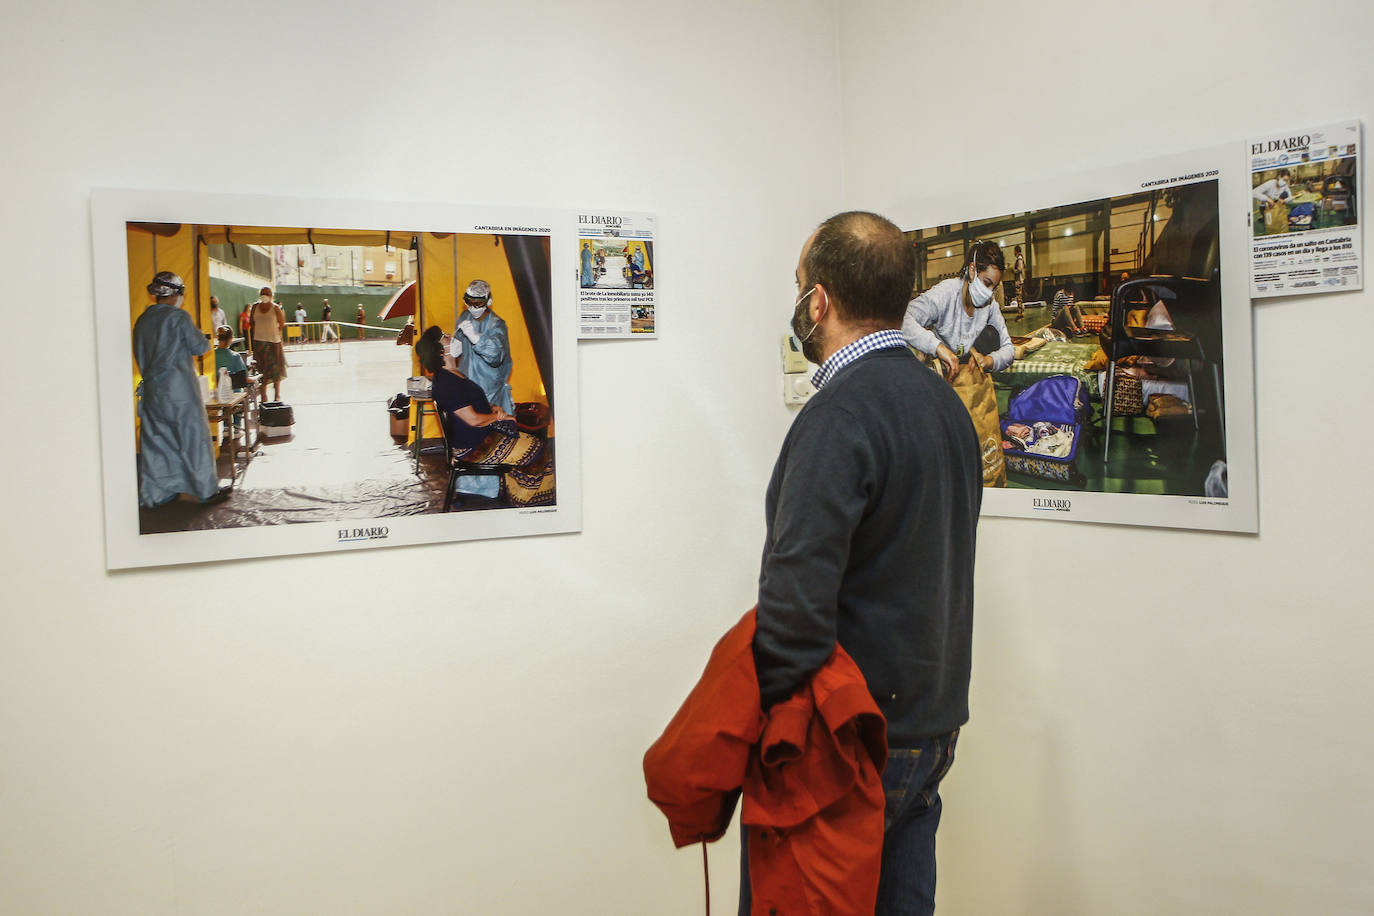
{"points": [[984, 362], [946, 356], [469, 330]]}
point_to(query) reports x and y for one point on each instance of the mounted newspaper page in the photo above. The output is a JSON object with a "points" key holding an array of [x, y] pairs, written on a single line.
{"points": [[615, 275], [287, 376], [1097, 327], [1305, 212]]}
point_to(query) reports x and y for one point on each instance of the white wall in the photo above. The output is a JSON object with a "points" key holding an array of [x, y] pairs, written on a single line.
{"points": [[177, 741], [1187, 733], [1163, 722]]}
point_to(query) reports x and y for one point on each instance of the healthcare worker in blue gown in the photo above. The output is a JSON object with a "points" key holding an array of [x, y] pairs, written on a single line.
{"points": [[588, 271], [174, 440], [481, 344]]}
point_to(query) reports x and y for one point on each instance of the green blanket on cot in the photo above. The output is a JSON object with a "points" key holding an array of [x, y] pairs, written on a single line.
{"points": [[1058, 357]]}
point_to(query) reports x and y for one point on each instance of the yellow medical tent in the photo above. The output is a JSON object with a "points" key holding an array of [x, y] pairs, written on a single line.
{"points": [[447, 263]]}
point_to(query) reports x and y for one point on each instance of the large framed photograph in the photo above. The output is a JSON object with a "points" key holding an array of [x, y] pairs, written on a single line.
{"points": [[1109, 371], [265, 388]]}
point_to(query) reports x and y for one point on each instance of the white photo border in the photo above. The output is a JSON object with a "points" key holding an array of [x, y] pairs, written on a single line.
{"points": [[1239, 511], [125, 547]]}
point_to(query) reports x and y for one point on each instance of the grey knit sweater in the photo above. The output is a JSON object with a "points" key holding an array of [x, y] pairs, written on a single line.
{"points": [[871, 518]]}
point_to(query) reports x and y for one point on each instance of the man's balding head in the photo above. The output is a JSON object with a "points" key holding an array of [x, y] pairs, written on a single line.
{"points": [[866, 265]]}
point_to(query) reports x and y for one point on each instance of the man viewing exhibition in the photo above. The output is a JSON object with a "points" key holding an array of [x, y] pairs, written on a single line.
{"points": [[871, 516]]}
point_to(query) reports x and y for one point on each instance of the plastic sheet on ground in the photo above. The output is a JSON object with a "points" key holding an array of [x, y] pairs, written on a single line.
{"points": [[339, 462]]}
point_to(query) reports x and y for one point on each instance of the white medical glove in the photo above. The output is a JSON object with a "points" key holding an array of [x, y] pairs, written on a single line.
{"points": [[469, 330]]}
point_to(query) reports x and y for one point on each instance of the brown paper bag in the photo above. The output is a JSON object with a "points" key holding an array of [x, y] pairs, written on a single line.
{"points": [[1276, 219], [975, 389]]}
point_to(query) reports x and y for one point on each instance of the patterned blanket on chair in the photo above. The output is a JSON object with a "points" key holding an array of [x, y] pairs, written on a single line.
{"points": [[530, 482]]}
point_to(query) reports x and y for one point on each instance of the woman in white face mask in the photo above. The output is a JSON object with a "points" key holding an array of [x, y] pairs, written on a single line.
{"points": [[958, 320], [270, 361]]}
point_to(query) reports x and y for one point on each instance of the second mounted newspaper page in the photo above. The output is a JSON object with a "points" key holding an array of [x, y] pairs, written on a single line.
{"points": [[615, 275], [1305, 212]]}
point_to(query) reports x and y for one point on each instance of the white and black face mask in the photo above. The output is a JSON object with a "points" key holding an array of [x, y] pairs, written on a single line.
{"points": [[979, 292]]}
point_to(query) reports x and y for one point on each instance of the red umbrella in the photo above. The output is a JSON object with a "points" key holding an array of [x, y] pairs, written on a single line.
{"points": [[403, 303]]}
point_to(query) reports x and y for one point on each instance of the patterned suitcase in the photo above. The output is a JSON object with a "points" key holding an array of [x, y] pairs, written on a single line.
{"points": [[1052, 407]]}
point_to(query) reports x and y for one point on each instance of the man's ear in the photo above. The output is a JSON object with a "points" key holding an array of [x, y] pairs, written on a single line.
{"points": [[815, 306]]}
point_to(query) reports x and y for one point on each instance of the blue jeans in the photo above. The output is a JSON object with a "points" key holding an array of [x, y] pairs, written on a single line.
{"points": [[911, 782]]}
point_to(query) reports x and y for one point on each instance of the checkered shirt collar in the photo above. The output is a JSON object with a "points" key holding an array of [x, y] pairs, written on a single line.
{"points": [[878, 340]]}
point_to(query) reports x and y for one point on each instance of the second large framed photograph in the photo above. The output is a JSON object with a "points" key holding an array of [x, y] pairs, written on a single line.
{"points": [[287, 376], [1109, 373]]}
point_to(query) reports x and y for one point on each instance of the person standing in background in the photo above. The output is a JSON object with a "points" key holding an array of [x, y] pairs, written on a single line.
{"points": [[269, 321], [246, 326], [327, 329], [217, 317]]}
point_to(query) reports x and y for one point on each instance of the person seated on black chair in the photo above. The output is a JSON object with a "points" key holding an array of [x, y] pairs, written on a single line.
{"points": [[463, 407], [481, 435]]}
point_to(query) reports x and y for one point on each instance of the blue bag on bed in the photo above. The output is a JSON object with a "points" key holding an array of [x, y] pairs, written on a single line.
{"points": [[1061, 400], [1300, 217]]}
